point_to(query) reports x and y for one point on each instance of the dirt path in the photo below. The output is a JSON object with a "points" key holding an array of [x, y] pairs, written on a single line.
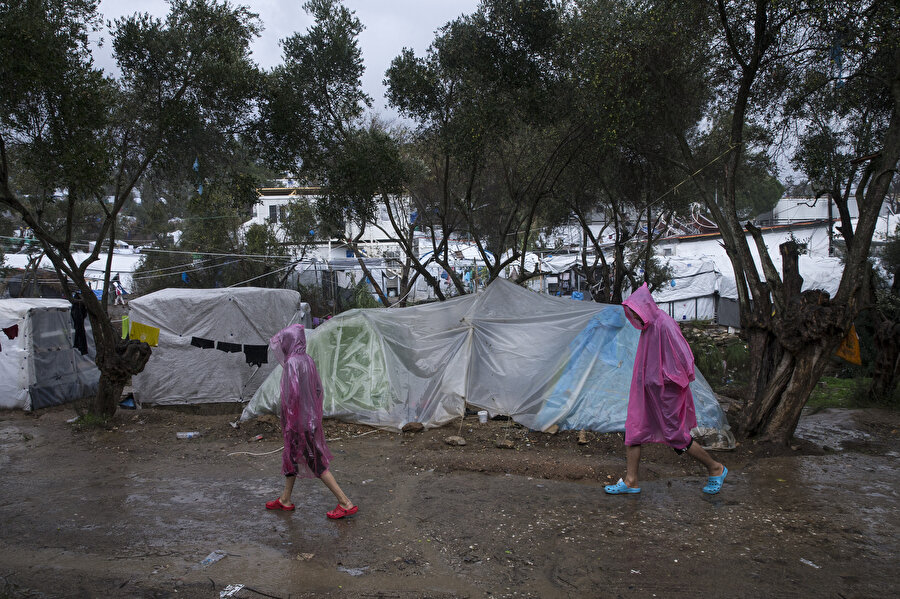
{"points": [[132, 511]]}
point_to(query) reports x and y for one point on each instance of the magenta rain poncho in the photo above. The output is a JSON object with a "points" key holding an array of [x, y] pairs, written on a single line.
{"points": [[660, 404], [305, 453]]}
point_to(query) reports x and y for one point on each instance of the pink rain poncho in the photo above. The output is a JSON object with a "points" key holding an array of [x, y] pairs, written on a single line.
{"points": [[305, 453], [660, 404]]}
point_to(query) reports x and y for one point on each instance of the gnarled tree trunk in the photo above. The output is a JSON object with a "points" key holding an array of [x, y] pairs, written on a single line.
{"points": [[789, 351], [118, 359]]}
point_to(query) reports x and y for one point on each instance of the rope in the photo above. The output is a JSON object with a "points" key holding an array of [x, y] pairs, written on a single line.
{"points": [[282, 447]]}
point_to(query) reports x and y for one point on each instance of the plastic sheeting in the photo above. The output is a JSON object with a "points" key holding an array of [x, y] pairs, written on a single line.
{"points": [[227, 321], [40, 367], [539, 359]]}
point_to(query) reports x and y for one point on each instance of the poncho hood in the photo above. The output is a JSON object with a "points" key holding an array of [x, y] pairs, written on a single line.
{"points": [[290, 341], [641, 302]]}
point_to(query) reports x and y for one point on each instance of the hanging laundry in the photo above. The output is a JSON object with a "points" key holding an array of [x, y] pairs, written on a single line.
{"points": [[257, 355], [231, 348], [78, 313], [203, 343], [145, 333], [12, 332]]}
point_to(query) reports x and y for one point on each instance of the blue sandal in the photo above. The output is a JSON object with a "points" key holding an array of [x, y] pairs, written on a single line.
{"points": [[621, 488], [714, 483]]}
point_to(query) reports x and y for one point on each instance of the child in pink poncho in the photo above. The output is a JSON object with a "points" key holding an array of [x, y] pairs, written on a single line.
{"points": [[660, 404], [305, 454]]}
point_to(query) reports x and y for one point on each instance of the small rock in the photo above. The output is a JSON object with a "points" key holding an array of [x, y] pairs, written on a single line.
{"points": [[304, 557], [795, 447], [582, 438], [413, 427], [455, 440], [552, 430], [504, 444]]}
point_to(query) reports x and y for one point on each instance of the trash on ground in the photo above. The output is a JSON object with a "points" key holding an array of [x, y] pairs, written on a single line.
{"points": [[353, 571], [230, 590], [187, 435], [212, 558], [482, 416], [455, 440], [582, 438], [304, 557], [72, 420], [803, 560], [258, 438]]}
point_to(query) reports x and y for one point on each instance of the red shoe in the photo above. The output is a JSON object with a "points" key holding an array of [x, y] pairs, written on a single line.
{"points": [[277, 505], [340, 512]]}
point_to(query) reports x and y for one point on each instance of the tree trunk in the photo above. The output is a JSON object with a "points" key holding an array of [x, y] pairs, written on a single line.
{"points": [[887, 361], [788, 352], [804, 372], [117, 360]]}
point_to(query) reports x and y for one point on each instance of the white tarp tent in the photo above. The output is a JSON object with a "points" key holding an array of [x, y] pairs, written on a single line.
{"points": [[213, 343], [39, 367], [541, 360]]}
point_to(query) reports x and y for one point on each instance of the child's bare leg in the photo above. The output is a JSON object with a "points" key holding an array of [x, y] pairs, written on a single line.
{"points": [[698, 453], [632, 462], [285, 498], [332, 485]]}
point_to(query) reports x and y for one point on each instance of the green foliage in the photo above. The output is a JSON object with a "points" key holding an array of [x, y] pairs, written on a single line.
{"points": [[838, 392], [724, 361], [89, 421], [362, 297], [310, 102], [364, 172]]}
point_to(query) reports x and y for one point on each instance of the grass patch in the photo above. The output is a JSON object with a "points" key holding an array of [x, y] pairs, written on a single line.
{"points": [[91, 421], [833, 392]]}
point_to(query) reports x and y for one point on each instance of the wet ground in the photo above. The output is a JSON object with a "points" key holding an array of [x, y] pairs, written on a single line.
{"points": [[131, 511]]}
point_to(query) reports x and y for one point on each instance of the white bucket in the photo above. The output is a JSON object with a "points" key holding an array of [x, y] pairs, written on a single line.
{"points": [[482, 416]]}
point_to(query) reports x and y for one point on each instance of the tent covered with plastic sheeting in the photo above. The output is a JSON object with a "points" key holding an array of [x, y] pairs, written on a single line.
{"points": [[211, 345], [539, 359], [39, 365], [692, 291]]}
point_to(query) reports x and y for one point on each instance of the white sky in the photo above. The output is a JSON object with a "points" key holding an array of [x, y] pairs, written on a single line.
{"points": [[390, 26]]}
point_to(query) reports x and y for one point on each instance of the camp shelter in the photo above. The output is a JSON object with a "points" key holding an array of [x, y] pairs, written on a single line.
{"points": [[39, 366], [211, 345], [541, 360]]}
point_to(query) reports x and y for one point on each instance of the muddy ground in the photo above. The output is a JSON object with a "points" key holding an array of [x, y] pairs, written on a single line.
{"points": [[131, 511]]}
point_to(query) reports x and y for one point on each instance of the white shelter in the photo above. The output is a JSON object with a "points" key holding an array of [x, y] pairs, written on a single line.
{"points": [[212, 344], [39, 365]]}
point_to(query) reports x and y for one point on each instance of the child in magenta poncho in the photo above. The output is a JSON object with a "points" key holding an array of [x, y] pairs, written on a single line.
{"points": [[660, 404], [305, 453]]}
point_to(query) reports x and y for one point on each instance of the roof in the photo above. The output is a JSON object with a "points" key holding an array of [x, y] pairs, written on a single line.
{"points": [[18, 307], [797, 225]]}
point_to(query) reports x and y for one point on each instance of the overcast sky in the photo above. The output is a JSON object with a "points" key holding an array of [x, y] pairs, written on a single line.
{"points": [[390, 26]]}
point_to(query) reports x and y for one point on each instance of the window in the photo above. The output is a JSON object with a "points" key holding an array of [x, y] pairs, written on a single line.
{"points": [[273, 213], [667, 251]]}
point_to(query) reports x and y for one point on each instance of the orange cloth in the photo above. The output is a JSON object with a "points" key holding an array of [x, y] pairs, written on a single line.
{"points": [[849, 349]]}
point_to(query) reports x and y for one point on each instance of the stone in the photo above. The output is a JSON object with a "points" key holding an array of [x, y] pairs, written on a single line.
{"points": [[455, 440], [504, 444], [582, 438], [413, 427], [552, 430]]}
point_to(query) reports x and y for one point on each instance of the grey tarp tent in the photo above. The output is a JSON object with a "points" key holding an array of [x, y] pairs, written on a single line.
{"points": [[541, 360], [39, 366], [212, 342]]}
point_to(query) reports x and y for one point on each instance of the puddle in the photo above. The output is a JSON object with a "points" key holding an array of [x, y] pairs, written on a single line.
{"points": [[831, 427]]}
